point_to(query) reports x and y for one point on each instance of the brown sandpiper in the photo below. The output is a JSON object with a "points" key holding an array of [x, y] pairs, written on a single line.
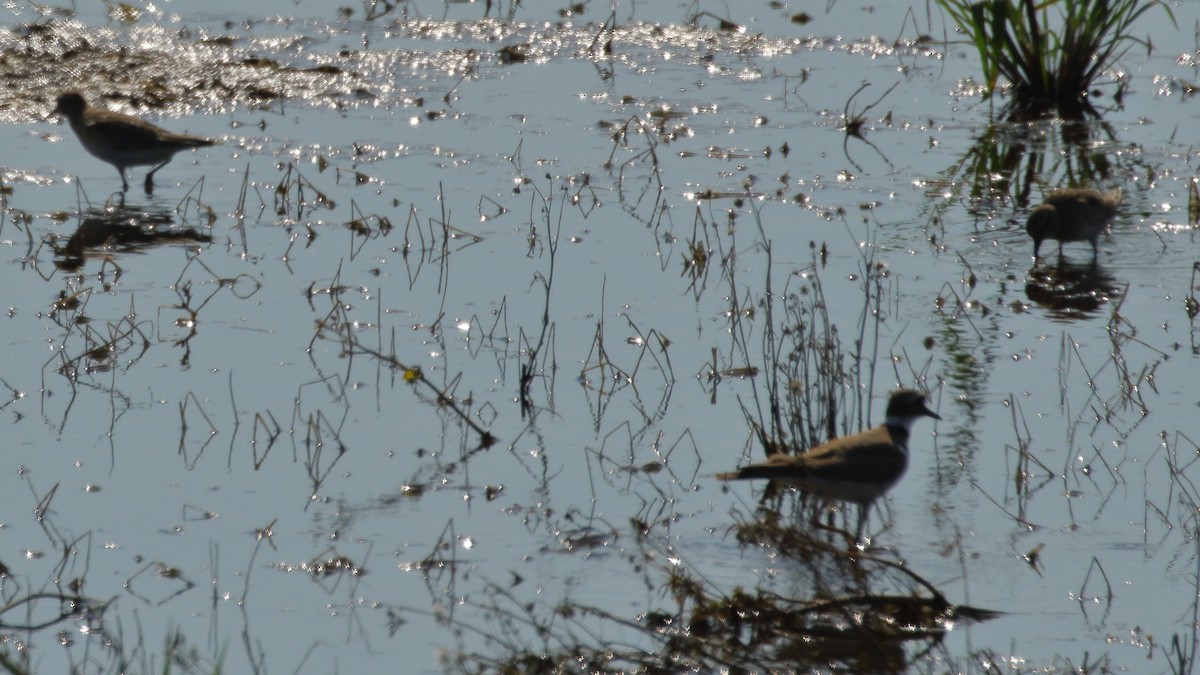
{"points": [[123, 140], [858, 468], [1073, 215]]}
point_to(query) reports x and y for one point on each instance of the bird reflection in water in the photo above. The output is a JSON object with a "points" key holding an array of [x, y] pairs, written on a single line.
{"points": [[122, 231], [1071, 290]]}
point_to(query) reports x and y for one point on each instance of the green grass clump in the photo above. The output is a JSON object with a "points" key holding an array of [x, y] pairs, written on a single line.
{"points": [[1050, 59]]}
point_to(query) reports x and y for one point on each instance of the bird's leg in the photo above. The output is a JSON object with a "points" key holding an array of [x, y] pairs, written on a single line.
{"points": [[862, 521], [124, 184], [150, 176], [822, 509]]}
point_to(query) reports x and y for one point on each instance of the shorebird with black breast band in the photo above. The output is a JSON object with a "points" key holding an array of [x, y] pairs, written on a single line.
{"points": [[859, 468]]}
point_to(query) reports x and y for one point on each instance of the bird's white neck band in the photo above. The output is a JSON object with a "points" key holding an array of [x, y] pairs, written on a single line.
{"points": [[905, 423]]}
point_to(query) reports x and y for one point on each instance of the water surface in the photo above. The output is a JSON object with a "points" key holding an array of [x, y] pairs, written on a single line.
{"points": [[225, 434]]}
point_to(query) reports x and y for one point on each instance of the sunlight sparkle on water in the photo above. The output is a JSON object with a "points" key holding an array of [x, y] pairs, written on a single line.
{"points": [[1163, 227], [665, 162]]}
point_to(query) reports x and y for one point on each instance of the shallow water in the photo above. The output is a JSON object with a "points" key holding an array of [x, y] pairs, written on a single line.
{"points": [[223, 450]]}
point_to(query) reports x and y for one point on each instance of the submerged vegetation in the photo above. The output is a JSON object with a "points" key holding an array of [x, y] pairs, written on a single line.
{"points": [[1050, 53], [429, 375]]}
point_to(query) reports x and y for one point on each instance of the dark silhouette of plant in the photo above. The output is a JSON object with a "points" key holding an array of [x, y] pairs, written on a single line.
{"points": [[1050, 58]]}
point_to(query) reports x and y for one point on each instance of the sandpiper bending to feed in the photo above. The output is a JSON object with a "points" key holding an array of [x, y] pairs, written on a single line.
{"points": [[1073, 215], [858, 468], [122, 140]]}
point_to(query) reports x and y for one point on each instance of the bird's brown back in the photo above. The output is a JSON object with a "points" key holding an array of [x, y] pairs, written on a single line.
{"points": [[857, 468]]}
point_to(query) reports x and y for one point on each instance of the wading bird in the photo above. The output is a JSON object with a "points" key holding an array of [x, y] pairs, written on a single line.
{"points": [[1073, 215], [122, 140], [858, 468]]}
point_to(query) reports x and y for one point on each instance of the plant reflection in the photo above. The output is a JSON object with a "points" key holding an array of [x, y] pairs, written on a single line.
{"points": [[863, 608], [1008, 161], [862, 612]]}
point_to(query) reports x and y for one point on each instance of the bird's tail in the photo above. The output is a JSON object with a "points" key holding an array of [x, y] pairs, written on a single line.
{"points": [[753, 471], [187, 141]]}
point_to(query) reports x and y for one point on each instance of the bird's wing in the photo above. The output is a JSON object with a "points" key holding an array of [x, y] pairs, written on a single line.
{"points": [[131, 131], [868, 457]]}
